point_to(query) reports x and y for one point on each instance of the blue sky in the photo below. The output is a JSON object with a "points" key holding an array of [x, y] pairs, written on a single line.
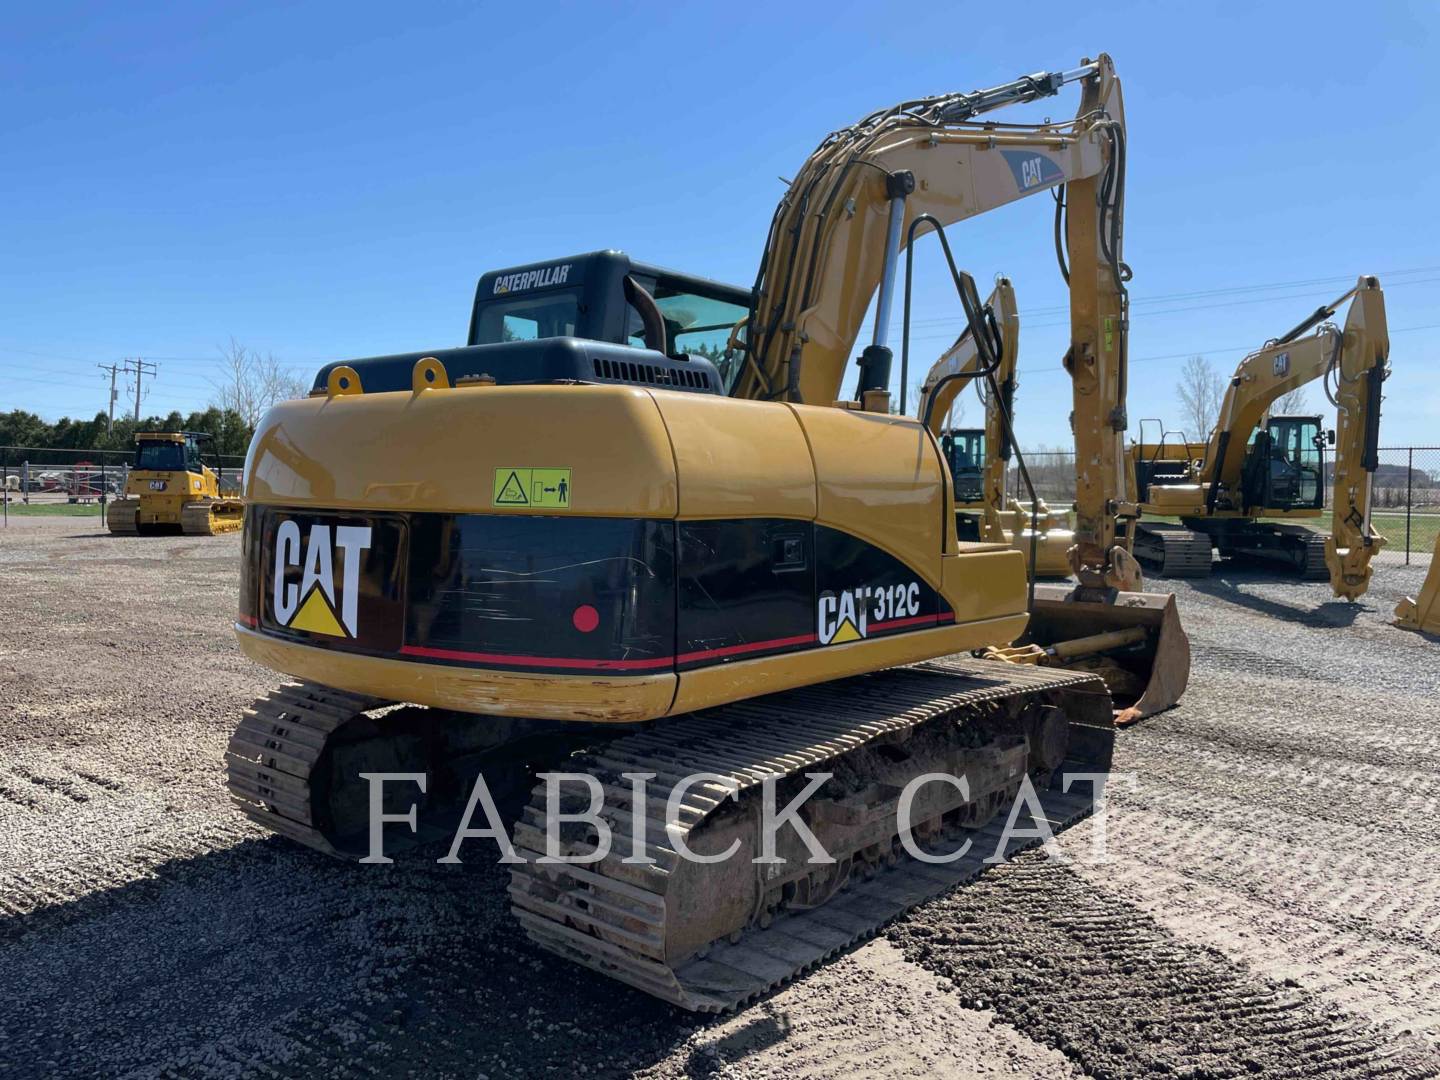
{"points": [[327, 180]]}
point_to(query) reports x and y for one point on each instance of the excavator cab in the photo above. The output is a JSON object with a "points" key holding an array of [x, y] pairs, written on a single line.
{"points": [[596, 318], [1284, 465], [607, 297], [965, 454]]}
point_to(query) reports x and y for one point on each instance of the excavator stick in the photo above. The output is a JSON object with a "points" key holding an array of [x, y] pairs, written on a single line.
{"points": [[1146, 675], [1422, 613]]}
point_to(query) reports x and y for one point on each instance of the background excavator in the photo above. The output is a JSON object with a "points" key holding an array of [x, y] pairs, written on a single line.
{"points": [[979, 458], [1257, 466], [170, 487], [632, 505]]}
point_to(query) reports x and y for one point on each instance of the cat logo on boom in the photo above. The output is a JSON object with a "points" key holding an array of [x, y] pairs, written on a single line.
{"points": [[1032, 170], [316, 605]]}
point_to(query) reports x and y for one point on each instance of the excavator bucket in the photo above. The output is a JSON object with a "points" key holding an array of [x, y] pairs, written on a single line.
{"points": [[1422, 612], [1146, 674]]}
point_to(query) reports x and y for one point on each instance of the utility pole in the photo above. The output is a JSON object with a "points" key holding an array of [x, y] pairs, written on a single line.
{"points": [[113, 369], [141, 369]]}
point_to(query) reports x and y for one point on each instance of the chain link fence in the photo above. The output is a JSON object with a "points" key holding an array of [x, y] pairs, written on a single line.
{"points": [[1404, 499], [37, 480]]}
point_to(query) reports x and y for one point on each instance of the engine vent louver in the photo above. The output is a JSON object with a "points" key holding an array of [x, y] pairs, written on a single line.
{"points": [[629, 371]]}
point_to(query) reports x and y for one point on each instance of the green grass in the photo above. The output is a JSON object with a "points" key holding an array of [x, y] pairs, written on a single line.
{"points": [[50, 509], [1423, 528]]}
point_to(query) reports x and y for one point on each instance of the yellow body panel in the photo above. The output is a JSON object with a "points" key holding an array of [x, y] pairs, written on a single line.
{"points": [[439, 449], [881, 478], [712, 686], [473, 690], [1176, 500], [732, 456], [165, 506]]}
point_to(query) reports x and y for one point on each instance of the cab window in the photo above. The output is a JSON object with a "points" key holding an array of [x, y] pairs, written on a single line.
{"points": [[553, 313], [160, 456], [694, 323]]}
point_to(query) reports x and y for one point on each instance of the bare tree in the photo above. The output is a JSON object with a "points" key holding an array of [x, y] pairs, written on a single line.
{"points": [[1200, 391], [1290, 403], [912, 404], [250, 383]]}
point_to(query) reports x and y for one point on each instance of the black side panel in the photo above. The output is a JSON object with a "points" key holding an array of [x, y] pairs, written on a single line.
{"points": [[865, 592], [571, 595], [582, 594], [746, 588]]}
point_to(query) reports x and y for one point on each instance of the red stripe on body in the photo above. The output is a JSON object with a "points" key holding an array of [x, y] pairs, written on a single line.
{"points": [[649, 663]]}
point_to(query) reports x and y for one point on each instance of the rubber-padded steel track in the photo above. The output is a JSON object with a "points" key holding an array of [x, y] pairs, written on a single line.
{"points": [[1310, 559], [274, 750], [1172, 550], [121, 516], [1295, 546], [611, 916], [211, 516]]}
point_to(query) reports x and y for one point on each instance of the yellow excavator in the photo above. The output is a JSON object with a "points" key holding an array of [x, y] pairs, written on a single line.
{"points": [[979, 458], [171, 487], [630, 521], [1256, 467]]}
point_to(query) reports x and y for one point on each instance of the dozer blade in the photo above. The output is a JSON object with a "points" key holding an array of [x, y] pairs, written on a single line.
{"points": [[1145, 676]]}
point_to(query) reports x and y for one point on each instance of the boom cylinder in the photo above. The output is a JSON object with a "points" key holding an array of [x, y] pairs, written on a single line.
{"points": [[876, 360]]}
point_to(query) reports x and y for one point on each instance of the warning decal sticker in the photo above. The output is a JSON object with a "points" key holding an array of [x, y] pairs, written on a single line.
{"points": [[540, 489]]}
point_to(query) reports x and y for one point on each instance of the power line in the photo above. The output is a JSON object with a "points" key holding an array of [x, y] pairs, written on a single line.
{"points": [[1135, 301], [140, 369], [1243, 290], [1217, 349], [1028, 317]]}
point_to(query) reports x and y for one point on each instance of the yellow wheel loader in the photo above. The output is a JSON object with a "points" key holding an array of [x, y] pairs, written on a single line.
{"points": [[1256, 467], [979, 458], [171, 488], [630, 521]]}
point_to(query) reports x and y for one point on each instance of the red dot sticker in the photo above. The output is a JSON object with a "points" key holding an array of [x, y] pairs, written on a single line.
{"points": [[585, 618]]}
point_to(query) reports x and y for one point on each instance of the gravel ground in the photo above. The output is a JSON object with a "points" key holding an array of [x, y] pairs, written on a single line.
{"points": [[1271, 904]]}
